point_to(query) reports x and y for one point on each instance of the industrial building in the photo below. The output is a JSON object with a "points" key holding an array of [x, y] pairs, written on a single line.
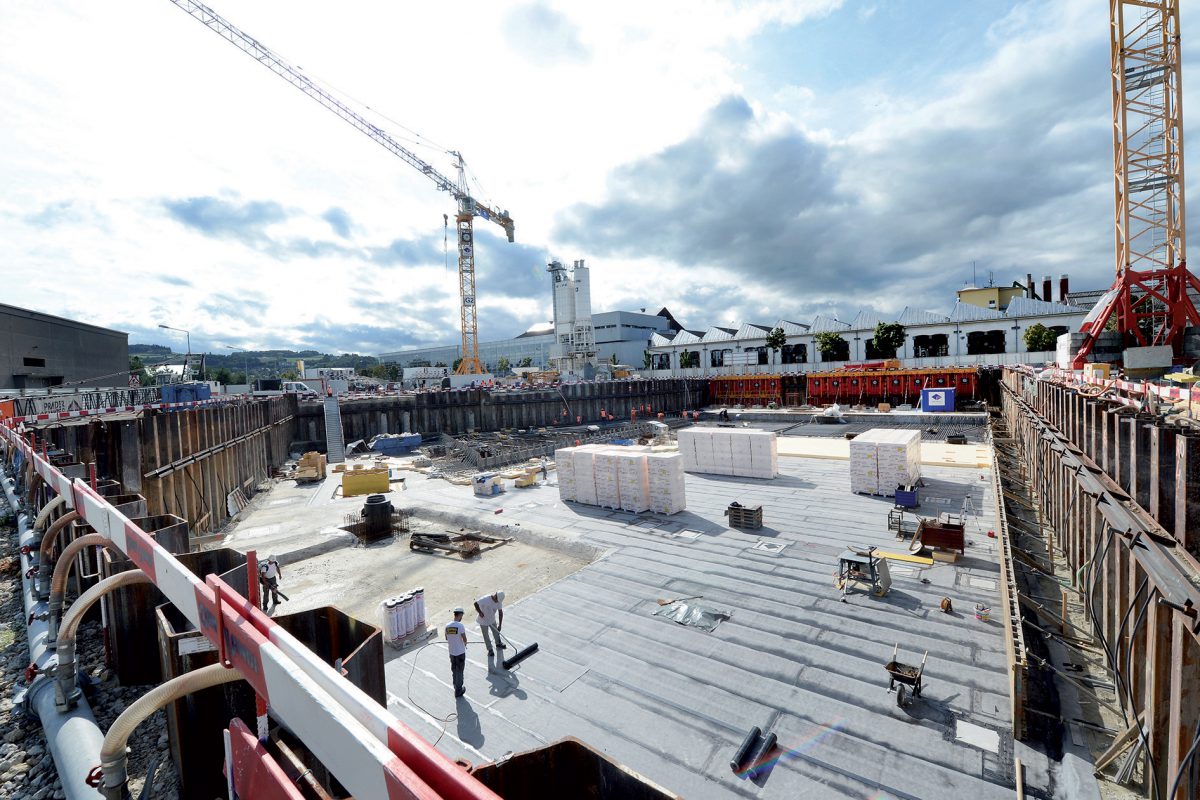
{"points": [[39, 351], [625, 334], [970, 334]]}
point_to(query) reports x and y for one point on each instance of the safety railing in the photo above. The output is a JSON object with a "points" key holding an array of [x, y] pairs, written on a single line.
{"points": [[371, 753]]}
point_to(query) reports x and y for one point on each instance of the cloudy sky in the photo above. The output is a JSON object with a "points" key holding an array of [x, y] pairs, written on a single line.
{"points": [[730, 160]]}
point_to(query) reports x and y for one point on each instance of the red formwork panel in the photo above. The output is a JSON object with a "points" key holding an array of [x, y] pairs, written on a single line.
{"points": [[879, 386]]}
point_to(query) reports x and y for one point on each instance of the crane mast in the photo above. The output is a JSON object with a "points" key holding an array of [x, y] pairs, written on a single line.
{"points": [[468, 206], [1149, 300]]}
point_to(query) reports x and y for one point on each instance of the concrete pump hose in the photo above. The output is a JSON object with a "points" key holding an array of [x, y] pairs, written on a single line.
{"points": [[39, 523], [74, 615], [112, 752]]}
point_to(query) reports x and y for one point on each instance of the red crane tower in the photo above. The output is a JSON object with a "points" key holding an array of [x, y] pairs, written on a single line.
{"points": [[1149, 301]]}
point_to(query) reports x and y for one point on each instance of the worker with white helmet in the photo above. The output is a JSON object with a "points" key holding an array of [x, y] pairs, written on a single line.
{"points": [[490, 608], [269, 575]]}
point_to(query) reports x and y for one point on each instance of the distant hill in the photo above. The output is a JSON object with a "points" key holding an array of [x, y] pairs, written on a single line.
{"points": [[262, 363]]}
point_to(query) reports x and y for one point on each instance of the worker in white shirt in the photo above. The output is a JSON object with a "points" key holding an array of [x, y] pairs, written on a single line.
{"points": [[456, 640], [491, 619], [269, 576]]}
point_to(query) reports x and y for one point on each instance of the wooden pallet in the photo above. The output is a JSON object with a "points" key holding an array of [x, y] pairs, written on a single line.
{"points": [[744, 517]]}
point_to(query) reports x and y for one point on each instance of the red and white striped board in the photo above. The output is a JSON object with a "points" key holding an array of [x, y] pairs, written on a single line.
{"points": [[96, 412], [370, 752]]}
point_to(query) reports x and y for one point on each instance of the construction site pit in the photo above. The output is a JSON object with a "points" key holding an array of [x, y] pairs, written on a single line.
{"points": [[672, 701]]}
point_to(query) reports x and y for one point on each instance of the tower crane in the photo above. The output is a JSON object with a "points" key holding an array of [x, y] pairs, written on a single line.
{"points": [[1149, 299], [468, 206]]}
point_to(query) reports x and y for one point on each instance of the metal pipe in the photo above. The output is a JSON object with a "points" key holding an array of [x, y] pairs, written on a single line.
{"points": [[47, 546], [764, 749], [62, 571], [66, 674], [114, 784], [739, 757], [73, 738]]}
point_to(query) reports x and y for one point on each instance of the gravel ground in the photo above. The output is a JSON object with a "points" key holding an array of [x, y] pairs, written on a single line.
{"points": [[26, 768]]}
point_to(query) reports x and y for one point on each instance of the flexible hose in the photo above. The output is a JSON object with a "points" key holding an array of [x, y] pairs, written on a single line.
{"points": [[62, 570], [62, 567], [48, 509], [74, 615], [1183, 764], [112, 752], [52, 533]]}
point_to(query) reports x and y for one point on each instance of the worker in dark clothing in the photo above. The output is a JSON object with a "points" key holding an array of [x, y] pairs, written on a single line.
{"points": [[269, 575], [456, 641]]}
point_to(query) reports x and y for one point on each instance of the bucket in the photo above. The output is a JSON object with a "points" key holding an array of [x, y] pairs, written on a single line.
{"points": [[982, 613]]}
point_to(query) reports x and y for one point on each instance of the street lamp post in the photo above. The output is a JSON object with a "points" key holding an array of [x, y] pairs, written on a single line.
{"points": [[246, 357], [187, 358]]}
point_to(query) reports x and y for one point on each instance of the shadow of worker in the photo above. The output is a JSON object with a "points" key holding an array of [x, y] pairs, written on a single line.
{"points": [[469, 731]]}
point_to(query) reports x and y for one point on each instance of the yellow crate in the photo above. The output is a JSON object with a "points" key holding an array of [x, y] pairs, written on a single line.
{"points": [[1097, 370], [364, 481]]}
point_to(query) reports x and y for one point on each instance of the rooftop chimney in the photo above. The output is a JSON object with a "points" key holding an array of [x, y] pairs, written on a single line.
{"points": [[1029, 285], [1046, 293], [1062, 289]]}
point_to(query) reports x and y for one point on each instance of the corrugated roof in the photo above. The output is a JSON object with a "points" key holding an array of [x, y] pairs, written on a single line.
{"points": [[865, 320], [750, 330], [688, 337], [1025, 307], [792, 328], [824, 324], [716, 334], [915, 316], [967, 312], [661, 338]]}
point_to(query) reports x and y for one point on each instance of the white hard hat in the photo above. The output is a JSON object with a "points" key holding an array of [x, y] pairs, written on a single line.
{"points": [[458, 610], [500, 596], [270, 558]]}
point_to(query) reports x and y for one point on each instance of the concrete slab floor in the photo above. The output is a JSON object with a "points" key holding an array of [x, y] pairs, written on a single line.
{"points": [[673, 702]]}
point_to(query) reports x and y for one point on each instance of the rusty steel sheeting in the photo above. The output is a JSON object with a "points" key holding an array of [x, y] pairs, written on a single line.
{"points": [[1139, 569], [334, 635], [129, 611], [195, 722]]}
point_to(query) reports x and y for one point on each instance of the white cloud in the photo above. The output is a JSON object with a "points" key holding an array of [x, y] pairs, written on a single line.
{"points": [[113, 110]]}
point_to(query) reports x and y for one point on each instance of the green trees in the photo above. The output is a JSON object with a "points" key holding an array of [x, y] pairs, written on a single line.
{"points": [[889, 338], [776, 339], [832, 346], [502, 366], [1039, 338]]}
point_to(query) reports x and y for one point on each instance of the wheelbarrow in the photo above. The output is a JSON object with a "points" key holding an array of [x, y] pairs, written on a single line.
{"points": [[906, 679]]}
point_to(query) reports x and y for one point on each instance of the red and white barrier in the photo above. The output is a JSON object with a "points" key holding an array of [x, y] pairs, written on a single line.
{"points": [[96, 412], [371, 752]]}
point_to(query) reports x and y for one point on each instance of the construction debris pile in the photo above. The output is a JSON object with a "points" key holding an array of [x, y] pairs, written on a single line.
{"points": [[311, 468]]}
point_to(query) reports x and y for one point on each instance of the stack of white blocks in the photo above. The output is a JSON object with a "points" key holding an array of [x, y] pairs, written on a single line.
{"points": [[634, 481], [608, 492], [739, 451], [883, 458], [665, 473], [618, 477], [585, 476], [564, 468]]}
